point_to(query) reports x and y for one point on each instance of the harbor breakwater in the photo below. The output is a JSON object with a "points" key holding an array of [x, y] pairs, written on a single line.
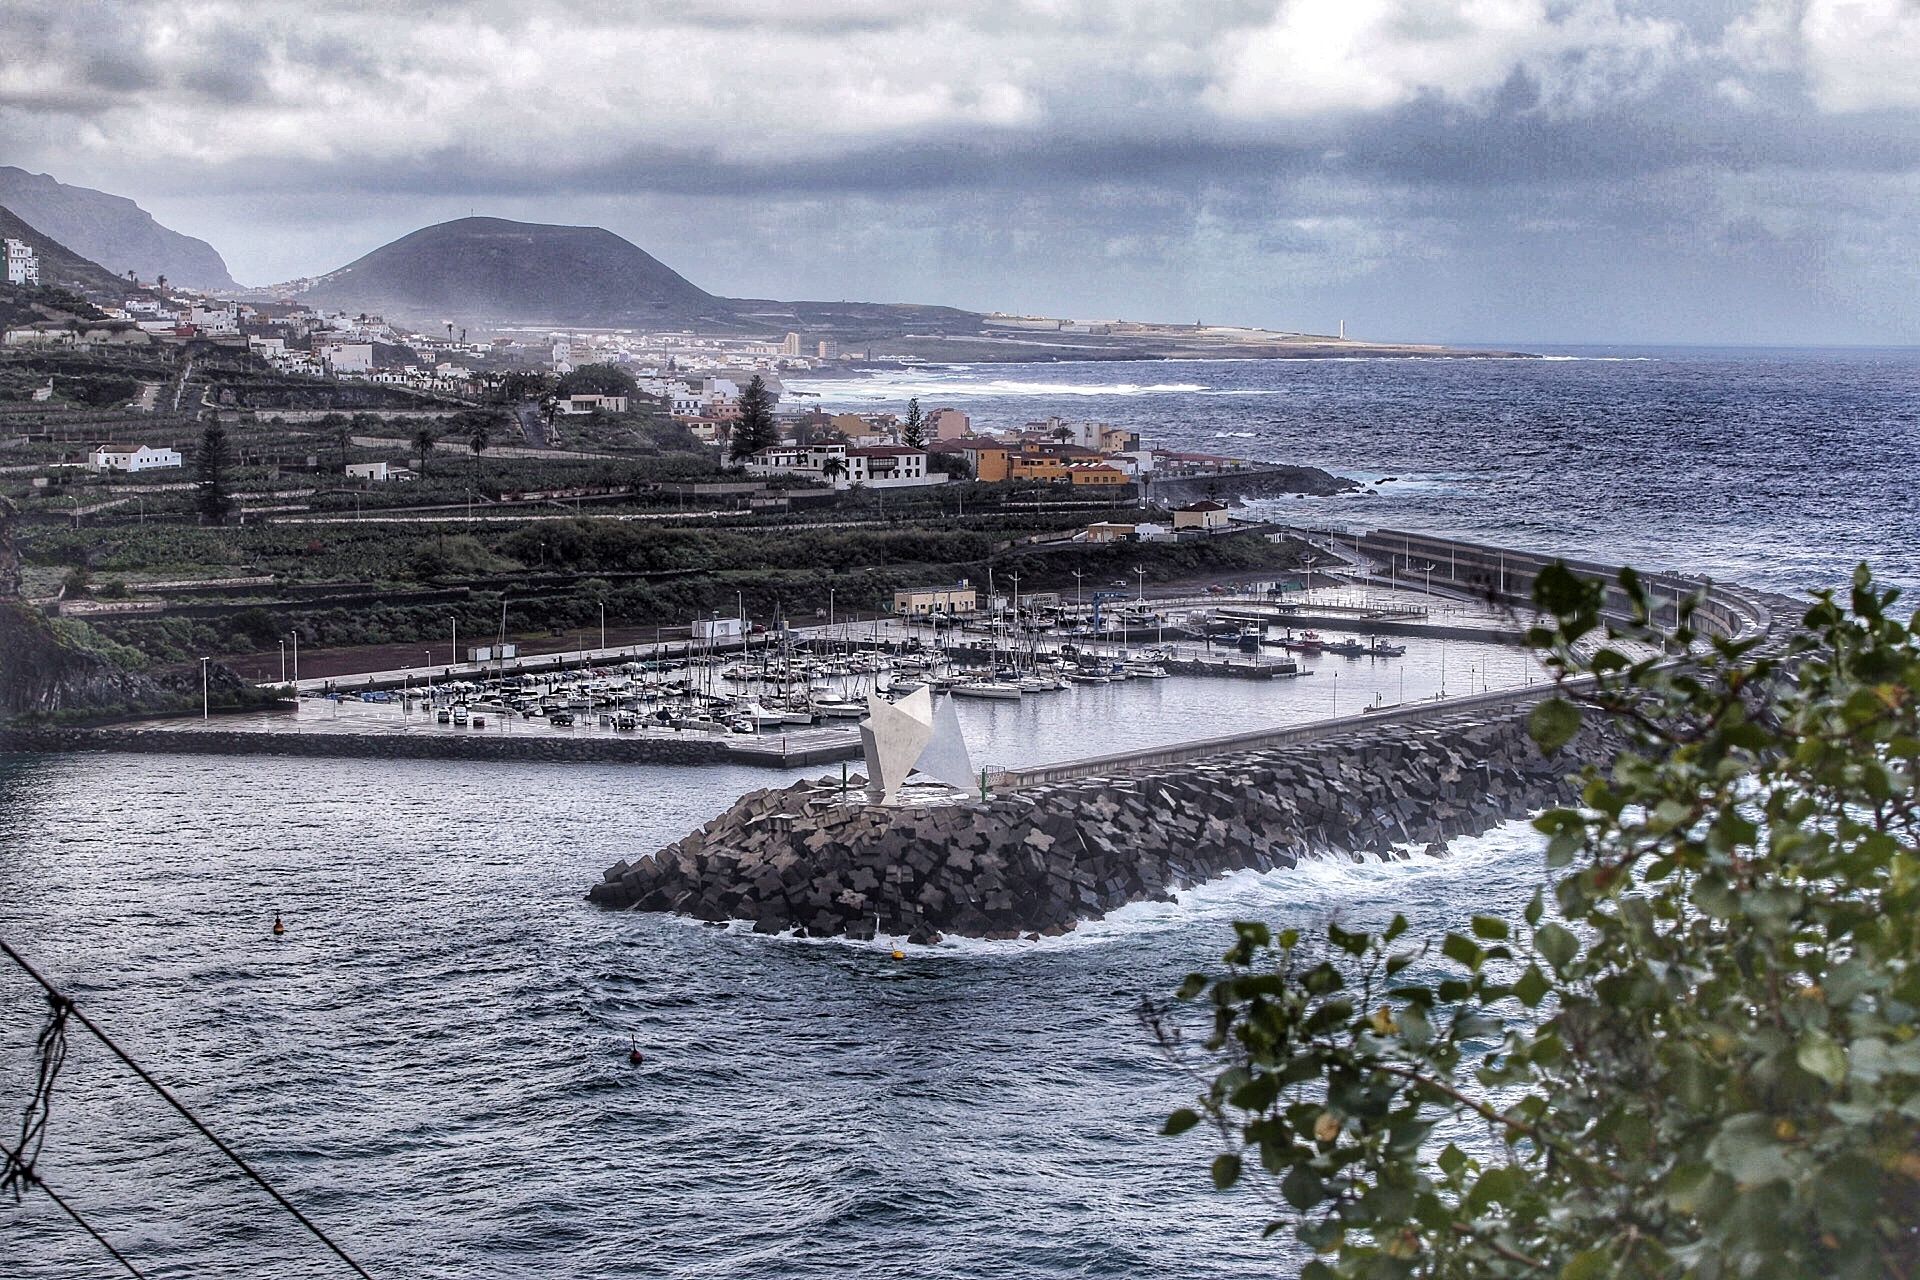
{"points": [[1037, 861], [1072, 842]]}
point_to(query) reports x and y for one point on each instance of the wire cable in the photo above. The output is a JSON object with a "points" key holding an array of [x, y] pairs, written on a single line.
{"points": [[21, 1172], [182, 1108]]}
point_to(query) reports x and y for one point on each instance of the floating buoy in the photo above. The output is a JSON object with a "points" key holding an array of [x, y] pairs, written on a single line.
{"points": [[278, 928], [634, 1055], [899, 955]]}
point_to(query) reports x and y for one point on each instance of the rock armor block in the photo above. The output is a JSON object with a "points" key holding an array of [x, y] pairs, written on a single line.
{"points": [[1040, 860]]}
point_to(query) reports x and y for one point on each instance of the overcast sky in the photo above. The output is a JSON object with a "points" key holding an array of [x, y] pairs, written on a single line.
{"points": [[1592, 170]]}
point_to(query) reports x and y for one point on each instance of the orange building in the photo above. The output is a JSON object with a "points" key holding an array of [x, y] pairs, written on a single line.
{"points": [[1036, 468], [990, 462]]}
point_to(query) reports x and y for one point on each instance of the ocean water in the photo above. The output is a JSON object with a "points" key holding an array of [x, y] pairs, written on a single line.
{"points": [[1779, 468], [433, 1061]]}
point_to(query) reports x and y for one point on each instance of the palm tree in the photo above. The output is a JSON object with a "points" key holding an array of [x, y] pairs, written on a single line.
{"points": [[833, 468], [1063, 433], [478, 436], [423, 442]]}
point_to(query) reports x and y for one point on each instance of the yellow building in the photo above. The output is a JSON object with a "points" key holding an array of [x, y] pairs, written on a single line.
{"points": [[1096, 473], [958, 598], [1205, 515]]}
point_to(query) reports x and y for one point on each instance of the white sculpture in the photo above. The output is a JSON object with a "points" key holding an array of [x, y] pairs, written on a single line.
{"points": [[900, 737]]}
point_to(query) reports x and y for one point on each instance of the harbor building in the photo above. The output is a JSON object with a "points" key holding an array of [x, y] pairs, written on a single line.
{"points": [[958, 598]]}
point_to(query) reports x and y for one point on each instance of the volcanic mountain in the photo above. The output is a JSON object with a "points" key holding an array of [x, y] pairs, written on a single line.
{"points": [[112, 230], [60, 266], [489, 270]]}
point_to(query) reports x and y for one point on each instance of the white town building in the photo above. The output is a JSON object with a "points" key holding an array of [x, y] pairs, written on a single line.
{"points": [[130, 457], [347, 357], [23, 265]]}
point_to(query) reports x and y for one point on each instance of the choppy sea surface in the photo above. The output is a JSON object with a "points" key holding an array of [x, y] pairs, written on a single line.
{"points": [[433, 1060]]}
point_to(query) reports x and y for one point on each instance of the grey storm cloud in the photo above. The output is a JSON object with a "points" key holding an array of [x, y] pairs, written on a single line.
{"points": [[1115, 156]]}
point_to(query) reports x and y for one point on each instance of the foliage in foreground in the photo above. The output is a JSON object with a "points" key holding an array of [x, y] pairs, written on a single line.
{"points": [[1696, 1052]]}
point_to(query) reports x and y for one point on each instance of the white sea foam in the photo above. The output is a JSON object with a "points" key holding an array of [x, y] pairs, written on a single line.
{"points": [[890, 386], [1315, 890]]}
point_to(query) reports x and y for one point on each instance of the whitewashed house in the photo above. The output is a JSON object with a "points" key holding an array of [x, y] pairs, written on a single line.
{"points": [[130, 458], [23, 265]]}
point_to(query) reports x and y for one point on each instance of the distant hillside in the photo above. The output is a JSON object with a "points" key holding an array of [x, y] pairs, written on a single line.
{"points": [[112, 230], [60, 266], [489, 270]]}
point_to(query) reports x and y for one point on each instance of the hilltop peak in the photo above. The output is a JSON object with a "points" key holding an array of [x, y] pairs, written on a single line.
{"points": [[484, 269]]}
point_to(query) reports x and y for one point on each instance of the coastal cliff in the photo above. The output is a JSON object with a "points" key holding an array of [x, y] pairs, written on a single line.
{"points": [[43, 675]]}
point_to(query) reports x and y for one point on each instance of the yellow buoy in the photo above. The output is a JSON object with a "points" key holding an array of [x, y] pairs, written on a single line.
{"points": [[278, 928], [899, 955]]}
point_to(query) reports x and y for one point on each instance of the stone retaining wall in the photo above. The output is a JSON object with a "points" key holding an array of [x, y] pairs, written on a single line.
{"points": [[1040, 860]]}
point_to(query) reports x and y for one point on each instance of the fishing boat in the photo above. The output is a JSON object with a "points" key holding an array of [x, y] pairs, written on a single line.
{"points": [[837, 709]]}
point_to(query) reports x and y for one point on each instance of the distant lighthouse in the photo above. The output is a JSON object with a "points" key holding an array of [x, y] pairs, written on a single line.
{"points": [[1343, 331]]}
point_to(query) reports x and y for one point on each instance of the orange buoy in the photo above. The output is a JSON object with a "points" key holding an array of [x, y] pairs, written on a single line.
{"points": [[899, 955], [278, 928]]}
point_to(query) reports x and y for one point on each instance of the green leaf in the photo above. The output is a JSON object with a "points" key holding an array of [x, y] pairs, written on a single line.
{"points": [[1463, 951], [1180, 1121], [1558, 944], [1553, 723], [1492, 927], [1535, 909], [1532, 987], [1302, 1189], [1226, 1170], [1818, 1054], [1746, 1151], [1589, 1264]]}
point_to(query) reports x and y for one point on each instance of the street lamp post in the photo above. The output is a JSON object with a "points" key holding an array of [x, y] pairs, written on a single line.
{"points": [[204, 704], [283, 662], [603, 624], [429, 670], [1140, 572], [296, 657]]}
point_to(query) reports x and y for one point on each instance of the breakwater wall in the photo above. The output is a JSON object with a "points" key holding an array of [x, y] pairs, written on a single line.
{"points": [[690, 749], [1038, 860]]}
